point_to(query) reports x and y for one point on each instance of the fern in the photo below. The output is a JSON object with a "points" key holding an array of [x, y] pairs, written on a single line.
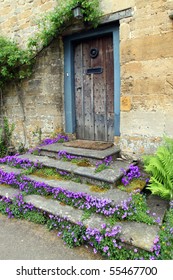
{"points": [[160, 168]]}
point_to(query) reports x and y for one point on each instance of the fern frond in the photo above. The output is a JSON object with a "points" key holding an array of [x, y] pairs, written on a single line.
{"points": [[168, 143], [160, 167], [158, 189], [156, 169]]}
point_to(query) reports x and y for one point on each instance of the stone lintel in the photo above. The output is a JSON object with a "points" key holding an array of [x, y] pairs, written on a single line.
{"points": [[117, 16]]}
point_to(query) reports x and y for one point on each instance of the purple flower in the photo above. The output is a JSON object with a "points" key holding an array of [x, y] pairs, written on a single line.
{"points": [[156, 240], [158, 220], [105, 249], [18, 162], [64, 154], [59, 138], [106, 161], [124, 216], [95, 251], [9, 212], [125, 181], [130, 174], [103, 226]]}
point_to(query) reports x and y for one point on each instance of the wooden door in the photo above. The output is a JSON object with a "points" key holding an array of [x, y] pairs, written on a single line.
{"points": [[94, 89]]}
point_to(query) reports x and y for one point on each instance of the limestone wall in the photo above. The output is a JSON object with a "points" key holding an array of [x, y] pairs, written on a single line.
{"points": [[37, 103], [146, 56], [18, 18], [146, 76]]}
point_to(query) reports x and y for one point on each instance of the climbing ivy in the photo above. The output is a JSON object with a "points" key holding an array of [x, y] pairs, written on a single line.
{"points": [[53, 23], [15, 63]]}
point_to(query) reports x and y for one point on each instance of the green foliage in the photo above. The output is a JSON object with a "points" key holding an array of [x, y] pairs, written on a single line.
{"points": [[166, 237], [73, 236], [137, 211], [140, 209], [3, 207], [15, 63], [86, 214], [3, 148], [35, 217], [110, 246], [101, 167], [8, 131], [5, 136], [38, 133], [160, 168], [55, 22]]}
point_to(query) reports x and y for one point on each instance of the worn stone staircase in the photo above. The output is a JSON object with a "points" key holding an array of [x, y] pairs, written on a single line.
{"points": [[134, 234]]}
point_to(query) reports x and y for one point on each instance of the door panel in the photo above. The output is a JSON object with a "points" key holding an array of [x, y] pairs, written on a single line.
{"points": [[94, 89]]}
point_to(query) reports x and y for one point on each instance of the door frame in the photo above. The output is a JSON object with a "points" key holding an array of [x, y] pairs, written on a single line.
{"points": [[69, 93]]}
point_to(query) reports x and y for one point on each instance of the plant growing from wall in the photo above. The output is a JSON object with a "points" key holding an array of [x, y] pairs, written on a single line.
{"points": [[15, 63], [6, 136], [160, 168], [54, 23]]}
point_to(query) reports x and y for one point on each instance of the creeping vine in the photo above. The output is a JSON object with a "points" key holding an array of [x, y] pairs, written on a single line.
{"points": [[16, 63]]}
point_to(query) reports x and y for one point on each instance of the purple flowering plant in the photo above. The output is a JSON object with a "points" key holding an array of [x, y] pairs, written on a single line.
{"points": [[106, 240], [60, 138], [133, 172], [17, 208], [18, 162], [128, 209], [103, 164], [62, 154]]}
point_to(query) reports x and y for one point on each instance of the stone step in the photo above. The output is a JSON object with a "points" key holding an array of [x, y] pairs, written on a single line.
{"points": [[110, 176], [157, 206], [134, 234], [115, 195], [92, 155]]}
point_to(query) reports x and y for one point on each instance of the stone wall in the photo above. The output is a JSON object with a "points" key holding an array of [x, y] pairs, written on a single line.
{"points": [[36, 105], [146, 56], [146, 76], [18, 19]]}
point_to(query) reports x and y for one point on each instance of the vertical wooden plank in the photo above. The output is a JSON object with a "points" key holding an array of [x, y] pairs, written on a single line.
{"points": [[88, 129], [99, 93], [79, 91], [110, 88], [106, 67]]}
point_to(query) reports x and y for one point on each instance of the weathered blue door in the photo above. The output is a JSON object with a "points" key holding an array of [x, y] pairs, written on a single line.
{"points": [[94, 88]]}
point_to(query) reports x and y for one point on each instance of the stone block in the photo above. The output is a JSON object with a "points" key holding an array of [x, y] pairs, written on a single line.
{"points": [[124, 31], [125, 103], [147, 48], [110, 6], [5, 10], [144, 123], [26, 14], [46, 7]]}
